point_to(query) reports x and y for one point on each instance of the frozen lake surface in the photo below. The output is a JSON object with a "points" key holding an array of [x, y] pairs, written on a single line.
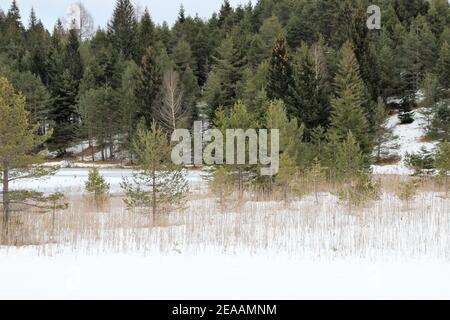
{"points": [[71, 181]]}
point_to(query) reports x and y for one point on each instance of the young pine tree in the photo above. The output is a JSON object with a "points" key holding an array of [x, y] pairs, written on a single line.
{"points": [[18, 143], [383, 136], [96, 184], [442, 163], [349, 159], [157, 184]]}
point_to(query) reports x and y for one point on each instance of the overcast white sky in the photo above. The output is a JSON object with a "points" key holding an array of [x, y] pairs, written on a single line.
{"points": [[161, 10]]}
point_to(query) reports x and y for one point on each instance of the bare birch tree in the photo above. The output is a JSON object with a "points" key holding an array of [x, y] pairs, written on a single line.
{"points": [[170, 106], [81, 20]]}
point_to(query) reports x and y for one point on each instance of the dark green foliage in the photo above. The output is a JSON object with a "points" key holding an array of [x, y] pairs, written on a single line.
{"points": [[96, 184], [443, 66], [280, 70], [122, 28], [150, 81], [146, 33], [421, 162], [307, 93], [407, 106], [222, 86], [348, 114], [65, 86], [440, 126]]}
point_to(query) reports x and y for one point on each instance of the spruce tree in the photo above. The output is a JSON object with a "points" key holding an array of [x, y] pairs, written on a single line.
{"points": [[65, 89], [440, 126], [389, 72], [221, 87], [407, 106], [129, 104], [146, 33], [419, 54], [122, 28], [443, 66], [280, 70], [150, 81], [13, 38], [348, 112], [307, 96]]}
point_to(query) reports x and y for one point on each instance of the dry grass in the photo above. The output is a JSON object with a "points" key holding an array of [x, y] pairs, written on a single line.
{"points": [[326, 228]]}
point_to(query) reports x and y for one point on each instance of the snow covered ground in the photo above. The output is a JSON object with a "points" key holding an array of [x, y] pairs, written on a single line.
{"points": [[264, 251], [216, 276], [409, 140], [71, 181]]}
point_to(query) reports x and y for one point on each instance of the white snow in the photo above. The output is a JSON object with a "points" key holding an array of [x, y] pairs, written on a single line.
{"points": [[305, 251], [71, 181], [409, 140], [216, 276]]}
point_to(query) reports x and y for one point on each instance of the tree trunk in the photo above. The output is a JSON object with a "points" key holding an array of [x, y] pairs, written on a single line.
{"points": [[111, 147], [91, 144], [154, 197], [6, 199]]}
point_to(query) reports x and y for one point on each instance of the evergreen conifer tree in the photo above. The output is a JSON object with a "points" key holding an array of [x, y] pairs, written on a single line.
{"points": [[280, 70]]}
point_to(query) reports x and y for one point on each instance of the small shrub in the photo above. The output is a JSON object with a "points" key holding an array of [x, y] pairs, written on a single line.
{"points": [[407, 191], [422, 162], [222, 186], [360, 191], [96, 184]]}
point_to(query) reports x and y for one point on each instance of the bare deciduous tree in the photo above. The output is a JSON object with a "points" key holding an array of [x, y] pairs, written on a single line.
{"points": [[81, 20], [170, 106]]}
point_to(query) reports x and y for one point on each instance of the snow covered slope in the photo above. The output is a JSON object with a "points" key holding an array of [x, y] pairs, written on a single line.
{"points": [[409, 138]]}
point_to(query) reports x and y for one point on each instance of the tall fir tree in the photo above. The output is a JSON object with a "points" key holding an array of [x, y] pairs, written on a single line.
{"points": [[280, 70], [307, 96], [419, 53], [123, 27], [348, 112], [222, 86], [146, 33], [66, 86], [150, 81], [443, 66], [13, 38]]}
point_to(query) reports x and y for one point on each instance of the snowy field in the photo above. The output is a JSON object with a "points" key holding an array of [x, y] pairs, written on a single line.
{"points": [[216, 276], [265, 250]]}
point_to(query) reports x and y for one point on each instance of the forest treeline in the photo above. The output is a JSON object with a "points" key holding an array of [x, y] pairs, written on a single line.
{"points": [[309, 67]]}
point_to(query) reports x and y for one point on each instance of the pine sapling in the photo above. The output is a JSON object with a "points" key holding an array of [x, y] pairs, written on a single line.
{"points": [[407, 191], [97, 185]]}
